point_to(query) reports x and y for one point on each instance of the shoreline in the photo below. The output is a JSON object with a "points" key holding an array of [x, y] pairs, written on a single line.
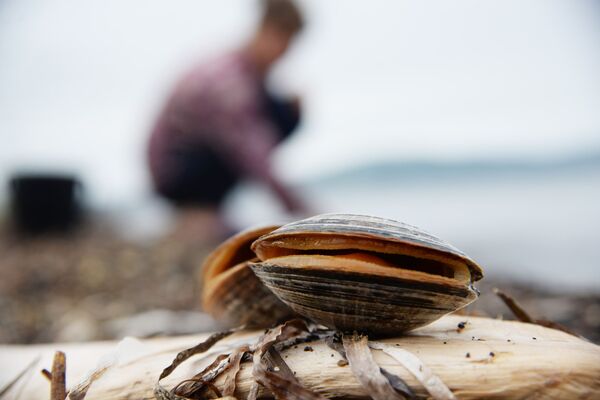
{"points": [[80, 287]]}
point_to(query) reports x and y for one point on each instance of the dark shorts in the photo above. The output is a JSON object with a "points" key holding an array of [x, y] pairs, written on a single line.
{"points": [[202, 178]]}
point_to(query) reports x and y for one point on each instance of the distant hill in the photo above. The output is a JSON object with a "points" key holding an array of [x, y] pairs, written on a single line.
{"points": [[427, 170]]}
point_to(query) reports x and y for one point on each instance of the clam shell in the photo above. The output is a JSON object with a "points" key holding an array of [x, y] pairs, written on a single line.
{"points": [[231, 292], [374, 275]]}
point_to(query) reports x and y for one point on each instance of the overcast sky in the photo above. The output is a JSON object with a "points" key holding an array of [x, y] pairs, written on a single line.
{"points": [[81, 81]]}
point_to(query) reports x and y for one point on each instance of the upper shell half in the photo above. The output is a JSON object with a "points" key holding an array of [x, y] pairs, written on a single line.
{"points": [[230, 290], [355, 272]]}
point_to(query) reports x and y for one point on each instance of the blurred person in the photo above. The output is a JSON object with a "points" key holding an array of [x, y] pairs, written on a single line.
{"points": [[221, 124]]}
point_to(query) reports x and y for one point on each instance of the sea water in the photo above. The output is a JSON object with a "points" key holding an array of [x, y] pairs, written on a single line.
{"points": [[532, 225]]}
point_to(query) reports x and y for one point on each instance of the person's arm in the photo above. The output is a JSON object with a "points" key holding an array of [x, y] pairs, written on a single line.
{"points": [[250, 145], [292, 203], [248, 139]]}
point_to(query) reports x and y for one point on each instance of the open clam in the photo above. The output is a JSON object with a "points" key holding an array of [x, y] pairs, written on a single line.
{"points": [[374, 275], [230, 290]]}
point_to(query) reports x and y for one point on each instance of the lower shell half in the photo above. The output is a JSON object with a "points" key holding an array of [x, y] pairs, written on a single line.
{"points": [[355, 301]]}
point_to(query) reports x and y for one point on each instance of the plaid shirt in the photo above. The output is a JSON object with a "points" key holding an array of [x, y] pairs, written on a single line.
{"points": [[220, 105]]}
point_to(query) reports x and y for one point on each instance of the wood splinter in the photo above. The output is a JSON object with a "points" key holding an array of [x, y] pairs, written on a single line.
{"points": [[58, 387]]}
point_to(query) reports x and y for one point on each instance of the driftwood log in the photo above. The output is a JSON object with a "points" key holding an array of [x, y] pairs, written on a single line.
{"points": [[474, 357]]}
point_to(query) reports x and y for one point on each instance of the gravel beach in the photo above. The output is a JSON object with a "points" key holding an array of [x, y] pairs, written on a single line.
{"points": [[92, 285]]}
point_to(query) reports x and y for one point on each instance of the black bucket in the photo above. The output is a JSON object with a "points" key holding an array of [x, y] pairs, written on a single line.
{"points": [[43, 203]]}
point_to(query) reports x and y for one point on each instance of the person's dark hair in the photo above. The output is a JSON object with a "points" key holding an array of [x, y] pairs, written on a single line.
{"points": [[283, 15]]}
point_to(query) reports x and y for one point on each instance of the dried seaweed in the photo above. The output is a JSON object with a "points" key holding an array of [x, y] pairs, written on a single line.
{"points": [[274, 360], [432, 383], [513, 306], [366, 370], [253, 393], [282, 383], [58, 389], [19, 376], [235, 359], [286, 379], [524, 316], [314, 333], [195, 386], [202, 383], [160, 393], [79, 391], [272, 372], [199, 380], [334, 341], [398, 384], [199, 348]]}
